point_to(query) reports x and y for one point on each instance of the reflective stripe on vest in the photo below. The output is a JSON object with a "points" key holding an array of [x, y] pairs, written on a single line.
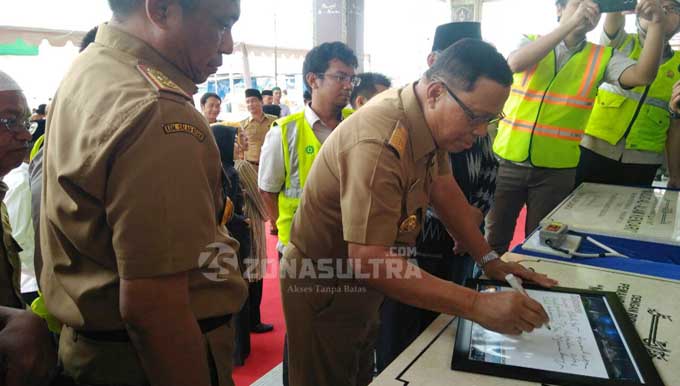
{"points": [[643, 121], [547, 109], [300, 147]]}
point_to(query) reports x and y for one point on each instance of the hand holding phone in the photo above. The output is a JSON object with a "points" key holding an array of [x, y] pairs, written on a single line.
{"points": [[616, 5]]}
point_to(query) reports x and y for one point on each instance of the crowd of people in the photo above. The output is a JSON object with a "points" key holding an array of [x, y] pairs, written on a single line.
{"points": [[134, 224]]}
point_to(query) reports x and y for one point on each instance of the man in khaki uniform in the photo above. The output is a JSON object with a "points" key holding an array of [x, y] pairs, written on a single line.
{"points": [[14, 137], [366, 193], [132, 212], [256, 126]]}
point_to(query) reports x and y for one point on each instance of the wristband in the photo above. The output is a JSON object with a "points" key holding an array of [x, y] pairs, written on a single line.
{"points": [[489, 257]]}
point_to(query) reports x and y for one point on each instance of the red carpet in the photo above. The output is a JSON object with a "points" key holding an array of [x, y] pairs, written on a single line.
{"points": [[267, 349]]}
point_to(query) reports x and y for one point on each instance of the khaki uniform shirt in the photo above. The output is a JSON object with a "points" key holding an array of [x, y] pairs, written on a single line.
{"points": [[255, 131], [371, 181], [131, 188], [10, 265]]}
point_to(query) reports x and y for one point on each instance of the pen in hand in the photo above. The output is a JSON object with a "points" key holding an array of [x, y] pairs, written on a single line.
{"points": [[517, 286]]}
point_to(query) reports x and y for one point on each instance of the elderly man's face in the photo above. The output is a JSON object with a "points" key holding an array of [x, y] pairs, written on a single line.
{"points": [[453, 128], [14, 135], [201, 36]]}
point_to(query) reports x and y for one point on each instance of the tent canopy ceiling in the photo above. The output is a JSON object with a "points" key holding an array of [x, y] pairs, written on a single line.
{"points": [[34, 36]]}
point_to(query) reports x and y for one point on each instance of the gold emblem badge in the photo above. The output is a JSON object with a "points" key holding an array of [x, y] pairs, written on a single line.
{"points": [[410, 224], [160, 81], [228, 212]]}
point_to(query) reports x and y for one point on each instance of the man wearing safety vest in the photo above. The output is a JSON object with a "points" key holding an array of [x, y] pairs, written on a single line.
{"points": [[555, 83], [291, 145], [628, 129]]}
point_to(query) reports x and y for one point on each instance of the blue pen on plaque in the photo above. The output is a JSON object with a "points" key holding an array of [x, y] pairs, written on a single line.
{"points": [[517, 286]]}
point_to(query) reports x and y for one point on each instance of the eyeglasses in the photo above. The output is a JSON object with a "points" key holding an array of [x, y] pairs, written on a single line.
{"points": [[671, 9], [342, 78], [472, 117], [15, 125]]}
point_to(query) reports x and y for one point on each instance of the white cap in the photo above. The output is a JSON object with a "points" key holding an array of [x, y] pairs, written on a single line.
{"points": [[7, 83]]}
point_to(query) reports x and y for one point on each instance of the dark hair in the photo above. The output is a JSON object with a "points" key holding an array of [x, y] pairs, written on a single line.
{"points": [[467, 60], [561, 3], [307, 95], [207, 95], [42, 109], [367, 87], [123, 8], [88, 38], [318, 59]]}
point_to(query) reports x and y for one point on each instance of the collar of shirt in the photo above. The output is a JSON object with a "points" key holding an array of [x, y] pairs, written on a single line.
{"points": [[313, 119], [122, 41], [420, 134], [571, 51], [252, 119], [3, 190]]}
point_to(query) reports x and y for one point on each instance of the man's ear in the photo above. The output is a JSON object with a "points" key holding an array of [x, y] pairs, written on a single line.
{"points": [[360, 101], [431, 57], [434, 92], [161, 12], [311, 79]]}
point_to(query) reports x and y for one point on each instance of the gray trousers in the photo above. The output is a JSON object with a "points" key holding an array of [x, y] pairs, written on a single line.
{"points": [[541, 189]]}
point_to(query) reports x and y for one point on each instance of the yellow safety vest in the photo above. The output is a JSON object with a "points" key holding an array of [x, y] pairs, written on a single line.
{"points": [[300, 147], [36, 147], [640, 114], [547, 110]]}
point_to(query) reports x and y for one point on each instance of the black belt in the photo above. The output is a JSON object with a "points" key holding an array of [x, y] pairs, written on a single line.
{"points": [[206, 325]]}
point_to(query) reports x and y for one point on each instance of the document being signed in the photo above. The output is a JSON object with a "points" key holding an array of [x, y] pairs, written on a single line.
{"points": [[583, 339]]}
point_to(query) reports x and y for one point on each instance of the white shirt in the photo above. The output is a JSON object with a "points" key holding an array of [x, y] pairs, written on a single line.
{"points": [[285, 110], [18, 201], [272, 173]]}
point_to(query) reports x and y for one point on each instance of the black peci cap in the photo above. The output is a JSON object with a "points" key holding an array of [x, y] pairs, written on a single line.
{"points": [[449, 33]]}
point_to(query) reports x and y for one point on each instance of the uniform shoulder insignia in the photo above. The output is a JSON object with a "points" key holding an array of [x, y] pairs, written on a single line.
{"points": [[185, 128], [399, 139], [161, 82]]}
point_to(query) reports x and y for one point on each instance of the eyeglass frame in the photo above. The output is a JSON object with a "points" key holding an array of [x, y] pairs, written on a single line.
{"points": [[675, 8], [473, 118], [341, 78], [12, 124]]}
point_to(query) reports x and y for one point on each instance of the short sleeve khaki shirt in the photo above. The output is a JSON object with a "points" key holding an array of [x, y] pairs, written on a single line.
{"points": [[131, 187], [255, 130], [371, 181]]}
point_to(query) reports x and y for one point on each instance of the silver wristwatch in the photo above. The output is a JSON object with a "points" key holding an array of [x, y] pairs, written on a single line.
{"points": [[489, 257]]}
